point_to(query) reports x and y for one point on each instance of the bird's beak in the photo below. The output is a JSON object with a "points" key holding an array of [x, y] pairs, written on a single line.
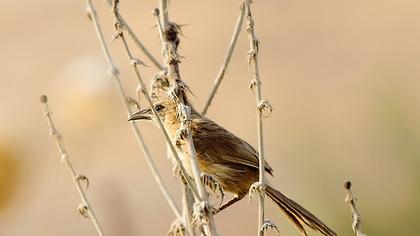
{"points": [[145, 114]]}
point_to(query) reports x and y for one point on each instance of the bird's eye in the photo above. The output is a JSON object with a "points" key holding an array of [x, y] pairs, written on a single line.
{"points": [[159, 107]]}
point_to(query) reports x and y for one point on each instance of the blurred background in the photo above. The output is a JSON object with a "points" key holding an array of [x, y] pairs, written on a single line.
{"points": [[342, 76]]}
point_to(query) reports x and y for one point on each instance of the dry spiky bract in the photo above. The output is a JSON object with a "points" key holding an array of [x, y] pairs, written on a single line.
{"points": [[85, 209], [357, 219]]}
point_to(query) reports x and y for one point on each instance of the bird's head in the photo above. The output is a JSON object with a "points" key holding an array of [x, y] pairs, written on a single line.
{"points": [[165, 109]]}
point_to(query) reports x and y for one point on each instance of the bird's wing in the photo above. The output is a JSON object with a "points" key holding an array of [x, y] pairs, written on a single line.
{"points": [[222, 146]]}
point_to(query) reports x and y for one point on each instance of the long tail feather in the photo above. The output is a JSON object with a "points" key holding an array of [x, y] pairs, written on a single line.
{"points": [[297, 214]]}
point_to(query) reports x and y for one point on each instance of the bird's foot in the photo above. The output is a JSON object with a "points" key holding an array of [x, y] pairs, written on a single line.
{"points": [[257, 188], [213, 185]]}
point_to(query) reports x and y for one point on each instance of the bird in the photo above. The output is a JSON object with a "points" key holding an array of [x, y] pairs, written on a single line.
{"points": [[228, 159]]}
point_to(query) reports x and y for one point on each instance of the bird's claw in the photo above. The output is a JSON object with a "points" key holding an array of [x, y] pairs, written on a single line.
{"points": [[257, 188], [214, 186]]}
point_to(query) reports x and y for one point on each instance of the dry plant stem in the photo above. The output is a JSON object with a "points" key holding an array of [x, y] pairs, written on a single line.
{"points": [[357, 219], [228, 56], [137, 40], [140, 45], [171, 62], [65, 159], [188, 208], [164, 16], [253, 60], [115, 75], [135, 63]]}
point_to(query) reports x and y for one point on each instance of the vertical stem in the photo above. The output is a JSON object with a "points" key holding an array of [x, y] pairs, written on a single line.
{"points": [[170, 41], [164, 13], [256, 83]]}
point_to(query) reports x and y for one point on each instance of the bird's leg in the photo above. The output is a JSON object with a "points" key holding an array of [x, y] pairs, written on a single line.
{"points": [[229, 203], [214, 186]]}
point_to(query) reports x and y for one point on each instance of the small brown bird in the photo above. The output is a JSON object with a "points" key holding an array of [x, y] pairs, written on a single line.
{"points": [[228, 159]]}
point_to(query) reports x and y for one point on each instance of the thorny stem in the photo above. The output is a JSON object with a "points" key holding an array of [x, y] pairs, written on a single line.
{"points": [[170, 42], [357, 219], [137, 40], [65, 159], [228, 56], [253, 60], [135, 63], [115, 75]]}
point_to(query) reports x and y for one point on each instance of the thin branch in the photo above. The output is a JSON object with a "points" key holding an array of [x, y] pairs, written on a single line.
{"points": [[261, 106], [357, 219], [142, 87], [177, 91], [137, 40], [228, 56], [85, 207], [140, 45], [188, 208], [164, 16], [115, 75]]}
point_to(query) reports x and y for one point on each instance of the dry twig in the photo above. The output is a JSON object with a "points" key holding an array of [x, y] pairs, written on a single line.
{"points": [[357, 219], [85, 208], [115, 75], [228, 56], [262, 105], [142, 87], [164, 16], [137, 40], [177, 91]]}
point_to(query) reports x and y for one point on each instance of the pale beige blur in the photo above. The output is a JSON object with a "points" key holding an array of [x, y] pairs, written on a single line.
{"points": [[343, 78]]}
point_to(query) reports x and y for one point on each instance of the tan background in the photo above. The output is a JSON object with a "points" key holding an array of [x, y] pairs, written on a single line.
{"points": [[343, 77]]}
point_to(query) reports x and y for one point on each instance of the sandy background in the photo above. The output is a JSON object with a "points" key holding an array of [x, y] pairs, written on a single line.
{"points": [[343, 77]]}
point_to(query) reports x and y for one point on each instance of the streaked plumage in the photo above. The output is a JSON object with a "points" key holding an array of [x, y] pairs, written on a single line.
{"points": [[230, 160]]}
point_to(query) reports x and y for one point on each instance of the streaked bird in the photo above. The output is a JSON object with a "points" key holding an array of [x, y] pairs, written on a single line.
{"points": [[229, 160]]}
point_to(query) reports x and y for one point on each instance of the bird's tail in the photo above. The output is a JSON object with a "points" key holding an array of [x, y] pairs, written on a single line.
{"points": [[297, 214]]}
